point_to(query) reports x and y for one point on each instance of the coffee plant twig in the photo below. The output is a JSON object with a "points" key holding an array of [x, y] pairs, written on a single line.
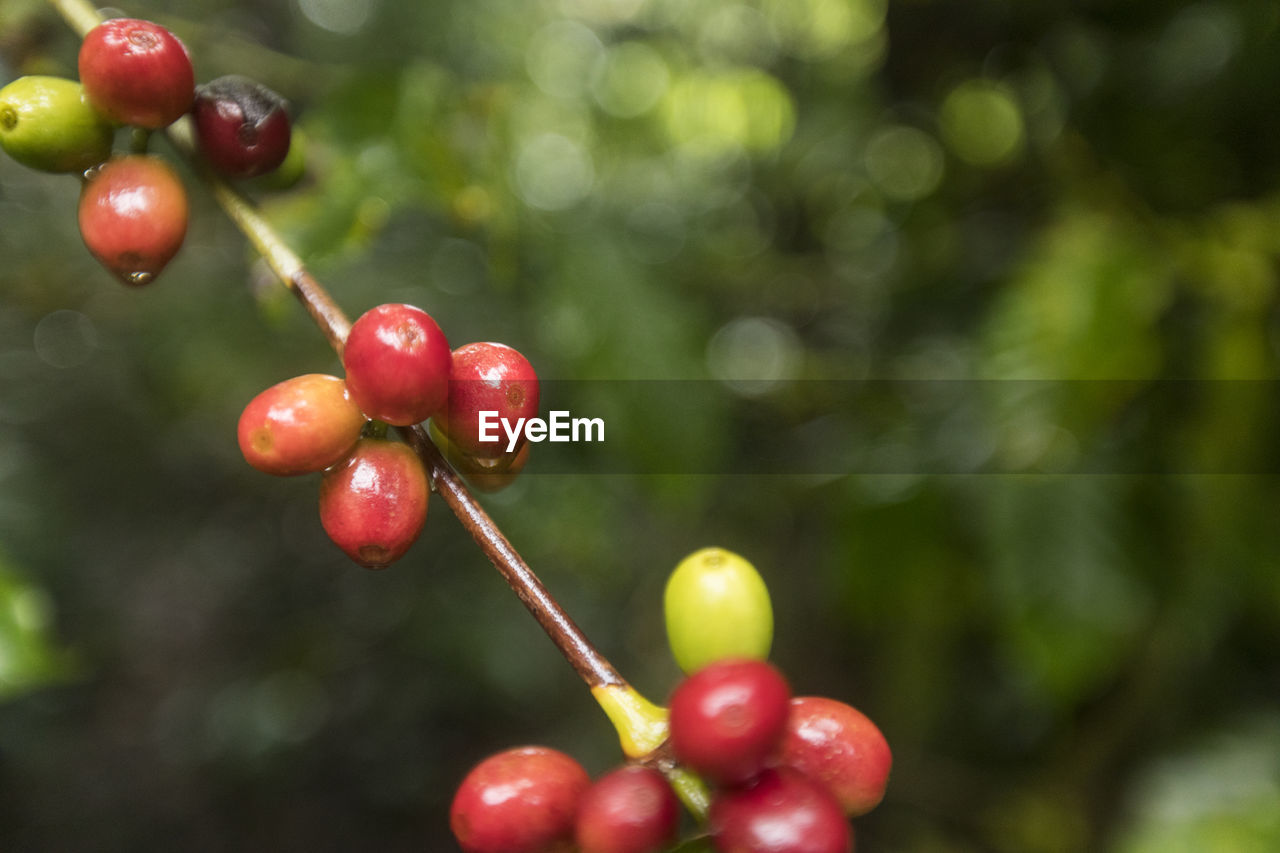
{"points": [[641, 725]]}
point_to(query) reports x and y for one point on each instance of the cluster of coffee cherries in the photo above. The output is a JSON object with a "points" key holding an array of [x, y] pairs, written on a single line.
{"points": [[399, 372], [786, 773], [133, 208]]}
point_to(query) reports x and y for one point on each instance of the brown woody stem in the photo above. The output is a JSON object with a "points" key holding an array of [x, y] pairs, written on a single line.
{"points": [[592, 666], [641, 725]]}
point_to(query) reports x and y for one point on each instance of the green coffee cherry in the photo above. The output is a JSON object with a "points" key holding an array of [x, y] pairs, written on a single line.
{"points": [[46, 124], [717, 606]]}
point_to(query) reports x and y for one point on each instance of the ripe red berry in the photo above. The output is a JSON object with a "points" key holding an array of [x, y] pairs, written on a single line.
{"points": [[482, 473], [133, 216], [782, 811], [300, 426], [522, 800], [487, 377], [374, 503], [629, 810], [839, 746], [136, 72], [242, 126], [728, 717], [397, 363]]}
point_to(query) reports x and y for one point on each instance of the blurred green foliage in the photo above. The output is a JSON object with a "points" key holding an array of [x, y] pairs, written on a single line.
{"points": [[1044, 197]]}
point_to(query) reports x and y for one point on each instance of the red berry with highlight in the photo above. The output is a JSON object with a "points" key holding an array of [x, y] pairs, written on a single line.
{"points": [[839, 746], [397, 362], [487, 377], [782, 811], [728, 718], [629, 810], [242, 126], [374, 503], [522, 800], [133, 216], [136, 72], [300, 426]]}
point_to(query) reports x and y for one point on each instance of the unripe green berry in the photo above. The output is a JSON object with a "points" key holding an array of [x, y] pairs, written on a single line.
{"points": [[46, 124], [717, 607]]}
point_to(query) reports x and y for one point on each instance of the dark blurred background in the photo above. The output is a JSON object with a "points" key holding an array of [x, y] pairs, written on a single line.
{"points": [[947, 196]]}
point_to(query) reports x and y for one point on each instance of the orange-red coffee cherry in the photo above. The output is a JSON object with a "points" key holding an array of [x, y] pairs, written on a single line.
{"points": [[521, 800], [628, 810], [373, 504], [133, 216], [300, 426], [487, 377], [782, 811], [397, 362], [839, 746], [242, 126], [136, 72], [728, 718]]}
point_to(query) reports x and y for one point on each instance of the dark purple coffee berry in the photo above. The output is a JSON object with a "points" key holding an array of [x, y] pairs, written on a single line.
{"points": [[242, 126]]}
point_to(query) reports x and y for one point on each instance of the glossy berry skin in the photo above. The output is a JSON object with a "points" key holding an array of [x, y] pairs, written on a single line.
{"points": [[136, 72], [487, 377], [839, 746], [629, 810], [133, 216], [242, 126], [46, 124], [373, 504], [300, 426], [482, 473], [716, 606], [727, 719], [397, 362], [522, 800], [782, 811]]}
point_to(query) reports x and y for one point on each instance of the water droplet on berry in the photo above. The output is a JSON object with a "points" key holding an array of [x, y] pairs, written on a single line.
{"points": [[138, 279]]}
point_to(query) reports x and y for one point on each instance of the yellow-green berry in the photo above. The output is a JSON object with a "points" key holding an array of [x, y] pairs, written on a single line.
{"points": [[717, 606], [46, 124]]}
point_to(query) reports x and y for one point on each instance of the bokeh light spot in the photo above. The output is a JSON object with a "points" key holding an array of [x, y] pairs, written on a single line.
{"points": [[754, 355], [560, 56], [904, 162], [629, 80], [714, 113], [343, 17], [982, 123], [553, 172]]}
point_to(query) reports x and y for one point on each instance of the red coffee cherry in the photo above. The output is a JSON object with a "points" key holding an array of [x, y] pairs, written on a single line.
{"points": [[728, 717], [839, 746], [397, 363], [522, 800], [136, 72], [484, 474], [374, 503], [300, 426], [133, 216], [242, 126], [487, 377], [782, 811], [629, 810]]}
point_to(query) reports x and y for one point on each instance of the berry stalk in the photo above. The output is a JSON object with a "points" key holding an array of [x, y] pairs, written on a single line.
{"points": [[594, 669]]}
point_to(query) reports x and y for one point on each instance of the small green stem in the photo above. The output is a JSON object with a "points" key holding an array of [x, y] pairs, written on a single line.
{"points": [[80, 15]]}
